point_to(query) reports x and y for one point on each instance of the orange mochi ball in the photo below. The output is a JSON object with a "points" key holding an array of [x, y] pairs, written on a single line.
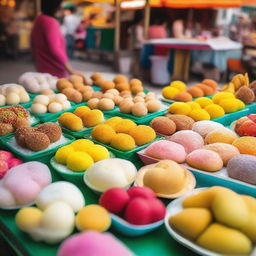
{"points": [[142, 134], [222, 135], [103, 133], [124, 126], [246, 145], [93, 118], [80, 111], [93, 217], [183, 96], [113, 121], [123, 142], [195, 92]]}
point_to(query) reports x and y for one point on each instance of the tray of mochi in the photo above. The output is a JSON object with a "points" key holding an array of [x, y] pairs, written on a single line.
{"points": [[214, 155], [32, 142], [22, 183]]}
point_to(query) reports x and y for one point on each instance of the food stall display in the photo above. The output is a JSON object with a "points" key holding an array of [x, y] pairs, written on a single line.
{"points": [[91, 176]]}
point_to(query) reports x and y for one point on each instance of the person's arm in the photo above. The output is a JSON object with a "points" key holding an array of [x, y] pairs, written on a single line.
{"points": [[72, 71], [139, 34]]}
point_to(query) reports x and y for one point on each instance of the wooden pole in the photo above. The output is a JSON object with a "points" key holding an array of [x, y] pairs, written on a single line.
{"points": [[146, 19], [38, 7], [117, 35]]}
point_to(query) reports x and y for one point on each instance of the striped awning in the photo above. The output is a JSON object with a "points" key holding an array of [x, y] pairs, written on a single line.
{"points": [[249, 3], [184, 3], [202, 3]]}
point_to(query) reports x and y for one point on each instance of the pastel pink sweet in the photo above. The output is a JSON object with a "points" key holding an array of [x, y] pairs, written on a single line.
{"points": [[166, 150], [204, 159], [206, 126], [23, 183], [92, 243], [190, 140]]}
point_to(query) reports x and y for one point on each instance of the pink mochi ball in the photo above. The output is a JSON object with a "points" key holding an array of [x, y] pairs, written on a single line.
{"points": [[23, 183], [14, 162], [188, 139], [204, 159], [92, 243], [166, 150]]}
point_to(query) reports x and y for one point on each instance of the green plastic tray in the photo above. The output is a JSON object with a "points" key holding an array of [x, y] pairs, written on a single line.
{"points": [[79, 134], [229, 118], [74, 177], [252, 108], [142, 119], [157, 242], [221, 180], [35, 155], [128, 155], [173, 101], [24, 105], [107, 112], [33, 95], [51, 116], [36, 122], [82, 133]]}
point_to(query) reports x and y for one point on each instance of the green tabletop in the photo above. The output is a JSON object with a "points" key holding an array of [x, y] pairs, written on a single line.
{"points": [[156, 243]]}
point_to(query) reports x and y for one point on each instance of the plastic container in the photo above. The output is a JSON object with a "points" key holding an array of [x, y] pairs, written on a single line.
{"points": [[176, 207], [125, 228], [79, 134], [51, 116], [125, 64], [129, 154], [33, 122], [65, 173], [96, 88], [143, 119], [189, 182], [172, 101], [252, 108], [24, 105], [35, 155], [227, 119], [96, 190], [159, 71], [221, 178], [147, 159]]}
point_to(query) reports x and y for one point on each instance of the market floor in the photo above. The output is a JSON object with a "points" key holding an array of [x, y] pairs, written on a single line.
{"points": [[10, 70]]}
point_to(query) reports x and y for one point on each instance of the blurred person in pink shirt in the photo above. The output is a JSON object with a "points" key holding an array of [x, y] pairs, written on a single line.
{"points": [[157, 30], [48, 43]]}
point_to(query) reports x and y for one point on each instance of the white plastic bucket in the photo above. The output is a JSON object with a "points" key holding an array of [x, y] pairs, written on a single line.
{"points": [[159, 72], [125, 64]]}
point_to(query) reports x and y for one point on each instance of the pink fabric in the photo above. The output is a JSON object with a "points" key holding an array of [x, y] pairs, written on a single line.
{"points": [[156, 32], [48, 46]]}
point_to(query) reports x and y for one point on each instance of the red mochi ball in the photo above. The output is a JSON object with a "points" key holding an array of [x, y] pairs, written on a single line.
{"points": [[157, 209], [14, 162], [114, 200], [5, 155], [138, 211], [144, 192], [252, 117]]}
